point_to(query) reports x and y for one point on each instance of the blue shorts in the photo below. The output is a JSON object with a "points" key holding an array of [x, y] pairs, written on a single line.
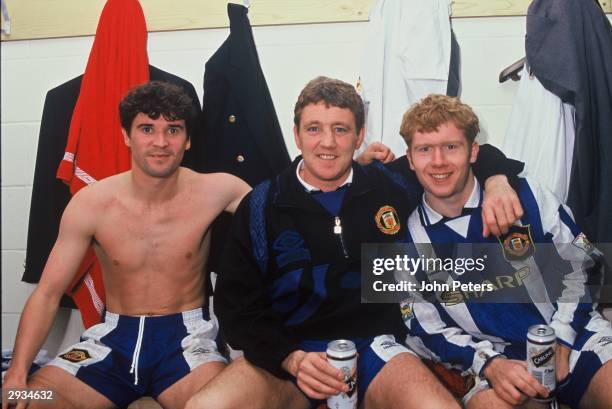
{"points": [[591, 350], [125, 357], [373, 354]]}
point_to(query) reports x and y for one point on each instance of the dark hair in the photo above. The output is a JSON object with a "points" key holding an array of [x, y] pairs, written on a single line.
{"points": [[157, 98], [436, 110], [333, 93]]}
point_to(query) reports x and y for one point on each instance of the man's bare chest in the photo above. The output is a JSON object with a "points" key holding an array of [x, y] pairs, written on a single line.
{"points": [[152, 240]]}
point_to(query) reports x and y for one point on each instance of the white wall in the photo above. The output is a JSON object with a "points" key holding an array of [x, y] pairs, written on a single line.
{"points": [[290, 56]]}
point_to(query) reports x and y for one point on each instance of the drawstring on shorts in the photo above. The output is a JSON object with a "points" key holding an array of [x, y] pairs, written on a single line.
{"points": [[136, 356]]}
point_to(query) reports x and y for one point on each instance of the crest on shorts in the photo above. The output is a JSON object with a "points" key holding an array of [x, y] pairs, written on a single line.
{"points": [[76, 355], [387, 220], [517, 243], [201, 351], [603, 341]]}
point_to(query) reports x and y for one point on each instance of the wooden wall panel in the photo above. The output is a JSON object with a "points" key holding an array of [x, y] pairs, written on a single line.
{"points": [[30, 19]]}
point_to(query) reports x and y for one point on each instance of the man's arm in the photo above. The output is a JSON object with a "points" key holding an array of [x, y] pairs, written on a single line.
{"points": [[499, 176], [375, 151], [574, 303], [75, 235], [509, 378], [445, 342], [491, 161], [233, 188], [501, 206], [247, 319], [314, 375]]}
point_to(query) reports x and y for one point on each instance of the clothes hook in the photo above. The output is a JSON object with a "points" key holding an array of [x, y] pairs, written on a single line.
{"points": [[6, 20]]}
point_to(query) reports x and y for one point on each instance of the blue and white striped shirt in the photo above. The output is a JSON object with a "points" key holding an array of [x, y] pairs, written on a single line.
{"points": [[547, 286]]}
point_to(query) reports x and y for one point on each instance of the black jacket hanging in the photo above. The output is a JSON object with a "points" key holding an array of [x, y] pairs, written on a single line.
{"points": [[242, 133]]}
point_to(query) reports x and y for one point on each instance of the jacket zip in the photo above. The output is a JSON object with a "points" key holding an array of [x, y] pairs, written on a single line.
{"points": [[338, 232]]}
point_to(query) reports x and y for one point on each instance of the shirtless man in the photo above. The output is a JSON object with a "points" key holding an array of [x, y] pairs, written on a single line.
{"points": [[150, 230]]}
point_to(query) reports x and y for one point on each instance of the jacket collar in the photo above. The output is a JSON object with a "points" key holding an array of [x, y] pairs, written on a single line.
{"points": [[310, 188], [292, 193]]}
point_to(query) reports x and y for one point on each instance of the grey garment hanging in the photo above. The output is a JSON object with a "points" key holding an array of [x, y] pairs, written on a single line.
{"points": [[243, 136], [569, 49]]}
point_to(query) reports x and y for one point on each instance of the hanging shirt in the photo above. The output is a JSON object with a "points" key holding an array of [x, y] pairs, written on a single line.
{"points": [[541, 134], [406, 57]]}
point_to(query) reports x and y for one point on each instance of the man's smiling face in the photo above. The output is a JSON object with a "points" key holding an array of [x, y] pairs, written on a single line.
{"points": [[328, 138]]}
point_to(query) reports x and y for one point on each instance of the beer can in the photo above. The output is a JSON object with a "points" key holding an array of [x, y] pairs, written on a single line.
{"points": [[342, 354], [541, 344]]}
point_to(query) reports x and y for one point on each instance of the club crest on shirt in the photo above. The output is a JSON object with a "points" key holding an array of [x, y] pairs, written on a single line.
{"points": [[387, 220], [406, 310], [517, 243], [76, 355]]}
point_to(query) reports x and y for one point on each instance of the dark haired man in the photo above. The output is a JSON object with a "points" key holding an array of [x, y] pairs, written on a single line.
{"points": [[157, 98], [150, 230], [290, 280]]}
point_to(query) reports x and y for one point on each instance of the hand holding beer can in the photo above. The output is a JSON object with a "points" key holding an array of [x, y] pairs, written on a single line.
{"points": [[342, 354], [541, 363]]}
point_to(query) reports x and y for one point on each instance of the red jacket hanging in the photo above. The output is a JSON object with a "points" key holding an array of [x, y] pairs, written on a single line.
{"points": [[95, 149]]}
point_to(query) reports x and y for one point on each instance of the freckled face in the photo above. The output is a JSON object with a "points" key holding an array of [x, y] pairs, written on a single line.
{"points": [[328, 138], [441, 160]]}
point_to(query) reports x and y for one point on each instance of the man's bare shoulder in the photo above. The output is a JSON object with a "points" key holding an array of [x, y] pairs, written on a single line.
{"points": [[223, 187], [104, 189], [214, 183], [97, 198], [211, 179]]}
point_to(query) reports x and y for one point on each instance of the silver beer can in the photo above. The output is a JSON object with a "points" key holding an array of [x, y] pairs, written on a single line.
{"points": [[541, 363], [342, 354]]}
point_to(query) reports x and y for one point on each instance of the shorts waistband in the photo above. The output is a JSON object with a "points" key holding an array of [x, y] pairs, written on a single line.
{"points": [[185, 317]]}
